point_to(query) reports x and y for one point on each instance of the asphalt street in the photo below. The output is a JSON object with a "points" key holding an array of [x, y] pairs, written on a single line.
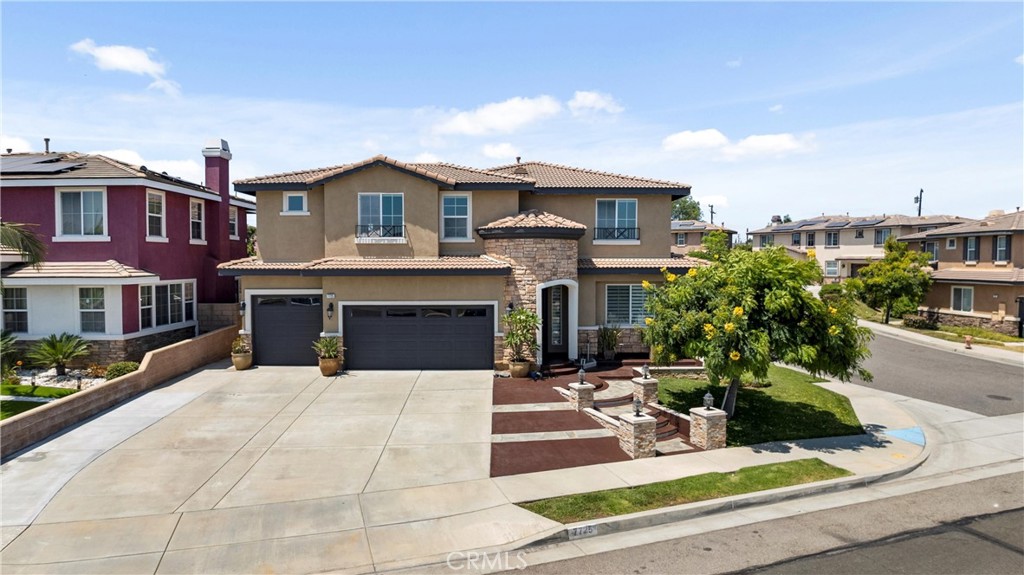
{"points": [[953, 379]]}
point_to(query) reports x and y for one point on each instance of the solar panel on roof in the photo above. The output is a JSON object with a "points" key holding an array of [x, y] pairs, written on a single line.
{"points": [[785, 228], [810, 223], [836, 224], [866, 223], [36, 164]]}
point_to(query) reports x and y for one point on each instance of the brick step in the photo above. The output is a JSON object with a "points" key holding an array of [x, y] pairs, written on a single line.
{"points": [[614, 401], [667, 434]]}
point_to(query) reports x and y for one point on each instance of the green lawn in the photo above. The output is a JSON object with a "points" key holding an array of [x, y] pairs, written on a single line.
{"points": [[790, 408], [586, 506], [12, 408], [38, 391]]}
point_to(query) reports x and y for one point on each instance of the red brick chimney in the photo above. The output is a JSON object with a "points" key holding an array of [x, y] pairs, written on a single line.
{"points": [[218, 155]]}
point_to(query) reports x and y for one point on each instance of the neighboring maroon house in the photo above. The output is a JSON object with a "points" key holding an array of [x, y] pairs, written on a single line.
{"points": [[132, 254]]}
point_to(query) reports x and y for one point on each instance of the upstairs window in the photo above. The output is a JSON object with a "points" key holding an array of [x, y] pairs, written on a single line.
{"points": [[624, 304], [616, 220], [859, 234], [15, 316], [294, 204], [932, 249], [950, 243], [881, 235], [156, 226], [233, 222], [197, 220], [680, 239], [455, 217], [971, 249], [82, 213], [381, 216], [831, 239], [796, 239], [1001, 248], [810, 239], [767, 240]]}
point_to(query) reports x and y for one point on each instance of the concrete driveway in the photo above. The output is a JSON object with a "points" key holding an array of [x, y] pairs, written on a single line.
{"points": [[275, 469]]}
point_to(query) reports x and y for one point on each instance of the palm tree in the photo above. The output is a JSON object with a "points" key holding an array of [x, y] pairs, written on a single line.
{"points": [[22, 238], [58, 350]]}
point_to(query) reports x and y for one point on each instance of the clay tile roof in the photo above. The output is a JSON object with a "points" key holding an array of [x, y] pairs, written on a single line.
{"points": [[967, 275], [317, 175], [467, 175], [640, 263], [534, 219], [697, 226], [297, 177], [547, 175], [993, 225], [110, 269]]}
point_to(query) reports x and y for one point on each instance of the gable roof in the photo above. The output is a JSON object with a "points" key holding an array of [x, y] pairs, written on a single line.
{"points": [[555, 177], [698, 226], [990, 226]]}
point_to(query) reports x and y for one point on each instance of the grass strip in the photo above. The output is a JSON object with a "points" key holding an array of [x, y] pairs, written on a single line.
{"points": [[11, 408], [587, 506], [38, 391]]}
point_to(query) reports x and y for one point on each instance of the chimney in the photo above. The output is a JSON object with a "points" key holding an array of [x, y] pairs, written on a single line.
{"points": [[776, 220], [218, 154], [46, 142], [995, 213]]}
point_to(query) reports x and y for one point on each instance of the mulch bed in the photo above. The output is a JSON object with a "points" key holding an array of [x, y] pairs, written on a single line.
{"points": [[531, 456], [539, 421]]}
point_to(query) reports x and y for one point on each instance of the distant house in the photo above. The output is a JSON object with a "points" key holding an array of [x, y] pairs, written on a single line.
{"points": [[132, 254], [979, 275], [687, 235], [844, 244]]}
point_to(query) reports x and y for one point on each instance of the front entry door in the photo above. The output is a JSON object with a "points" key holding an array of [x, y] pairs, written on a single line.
{"points": [[555, 322]]}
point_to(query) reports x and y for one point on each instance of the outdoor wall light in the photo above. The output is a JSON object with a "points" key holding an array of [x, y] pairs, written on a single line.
{"points": [[510, 307], [582, 374], [709, 400], [330, 310], [241, 308], [645, 371], [637, 405]]}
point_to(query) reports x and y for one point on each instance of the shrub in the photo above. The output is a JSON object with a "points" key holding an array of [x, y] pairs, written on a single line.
{"points": [[326, 347], [521, 333], [57, 350], [96, 370], [918, 322], [120, 368], [904, 306], [240, 346], [7, 340], [831, 291]]}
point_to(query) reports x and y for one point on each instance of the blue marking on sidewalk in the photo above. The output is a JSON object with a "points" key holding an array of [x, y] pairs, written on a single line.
{"points": [[912, 434]]}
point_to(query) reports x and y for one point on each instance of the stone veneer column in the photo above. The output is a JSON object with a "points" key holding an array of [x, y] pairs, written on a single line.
{"points": [[646, 390], [581, 396], [636, 435], [707, 427]]}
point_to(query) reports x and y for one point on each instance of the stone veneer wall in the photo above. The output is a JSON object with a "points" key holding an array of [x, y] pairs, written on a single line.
{"points": [[158, 367], [1005, 326], [105, 352], [534, 261]]}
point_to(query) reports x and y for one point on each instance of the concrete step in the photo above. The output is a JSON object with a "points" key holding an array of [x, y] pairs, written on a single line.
{"points": [[672, 447]]}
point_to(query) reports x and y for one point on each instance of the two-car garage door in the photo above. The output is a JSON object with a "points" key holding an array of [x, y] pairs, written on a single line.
{"points": [[376, 337]]}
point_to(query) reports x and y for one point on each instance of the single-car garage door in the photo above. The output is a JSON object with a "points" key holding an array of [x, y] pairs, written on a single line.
{"points": [[414, 337], [284, 328]]}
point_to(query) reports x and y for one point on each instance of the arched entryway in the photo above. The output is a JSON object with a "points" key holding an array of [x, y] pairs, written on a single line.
{"points": [[558, 308]]}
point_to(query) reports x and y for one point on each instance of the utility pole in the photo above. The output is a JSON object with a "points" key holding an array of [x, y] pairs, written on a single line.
{"points": [[919, 199], [712, 213]]}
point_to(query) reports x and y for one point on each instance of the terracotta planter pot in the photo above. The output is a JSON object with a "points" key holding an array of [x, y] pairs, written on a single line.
{"points": [[329, 366], [519, 368], [241, 361]]}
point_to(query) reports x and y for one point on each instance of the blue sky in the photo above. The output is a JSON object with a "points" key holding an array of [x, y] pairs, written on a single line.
{"points": [[765, 108]]}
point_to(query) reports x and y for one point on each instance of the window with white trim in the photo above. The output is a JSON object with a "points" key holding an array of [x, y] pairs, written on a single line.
{"points": [[680, 239], [15, 305], [796, 238], [881, 235], [233, 222], [381, 216], [92, 310], [455, 215], [810, 239], [963, 298], [832, 268], [156, 226], [616, 220], [831, 239], [767, 240], [950, 243], [166, 304], [1002, 248], [971, 249], [858, 234], [624, 304], [197, 220], [82, 212], [294, 204]]}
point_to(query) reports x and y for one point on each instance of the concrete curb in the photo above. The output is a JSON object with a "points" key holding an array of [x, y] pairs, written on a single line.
{"points": [[643, 519]]}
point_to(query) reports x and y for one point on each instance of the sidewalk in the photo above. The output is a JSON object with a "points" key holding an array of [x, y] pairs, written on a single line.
{"points": [[979, 351]]}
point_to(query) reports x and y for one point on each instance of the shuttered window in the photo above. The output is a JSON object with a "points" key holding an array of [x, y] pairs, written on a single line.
{"points": [[624, 304]]}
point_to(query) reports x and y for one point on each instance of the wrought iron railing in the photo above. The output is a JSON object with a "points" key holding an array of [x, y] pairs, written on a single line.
{"points": [[616, 233], [375, 231]]}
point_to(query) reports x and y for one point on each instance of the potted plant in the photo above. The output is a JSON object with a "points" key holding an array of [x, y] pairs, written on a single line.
{"points": [[329, 353], [241, 354], [608, 341], [521, 339]]}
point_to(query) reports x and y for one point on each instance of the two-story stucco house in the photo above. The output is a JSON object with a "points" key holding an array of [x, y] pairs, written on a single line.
{"points": [[844, 244], [131, 256], [979, 276], [414, 265], [688, 234]]}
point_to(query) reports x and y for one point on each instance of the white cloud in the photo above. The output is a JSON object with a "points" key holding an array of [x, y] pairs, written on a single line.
{"points": [[500, 117], [589, 102], [734, 63], [503, 151], [426, 158], [776, 109], [769, 145], [189, 170], [717, 200], [16, 145], [694, 140], [128, 59], [1019, 59]]}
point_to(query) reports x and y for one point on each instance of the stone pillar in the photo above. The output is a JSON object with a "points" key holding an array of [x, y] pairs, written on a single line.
{"points": [[636, 435], [646, 390], [581, 396], [707, 427]]}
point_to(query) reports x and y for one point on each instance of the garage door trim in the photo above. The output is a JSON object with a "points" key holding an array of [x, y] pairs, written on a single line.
{"points": [[421, 303], [248, 299]]}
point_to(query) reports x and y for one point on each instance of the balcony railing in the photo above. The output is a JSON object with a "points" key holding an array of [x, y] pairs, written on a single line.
{"points": [[616, 233], [375, 234]]}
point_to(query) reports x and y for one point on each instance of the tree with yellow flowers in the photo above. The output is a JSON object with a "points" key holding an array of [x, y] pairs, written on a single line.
{"points": [[749, 309]]}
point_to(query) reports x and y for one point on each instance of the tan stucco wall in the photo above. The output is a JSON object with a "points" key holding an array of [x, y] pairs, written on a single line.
{"points": [[290, 238], [987, 298], [420, 209], [592, 293], [654, 213], [279, 282], [954, 258], [485, 207]]}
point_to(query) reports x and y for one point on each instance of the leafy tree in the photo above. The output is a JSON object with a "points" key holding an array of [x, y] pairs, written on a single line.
{"points": [[686, 208], [58, 350], [748, 310], [901, 274], [716, 245], [23, 238], [250, 240], [786, 219]]}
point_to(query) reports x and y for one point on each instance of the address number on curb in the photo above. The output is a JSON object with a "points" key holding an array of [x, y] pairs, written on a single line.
{"points": [[582, 531]]}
